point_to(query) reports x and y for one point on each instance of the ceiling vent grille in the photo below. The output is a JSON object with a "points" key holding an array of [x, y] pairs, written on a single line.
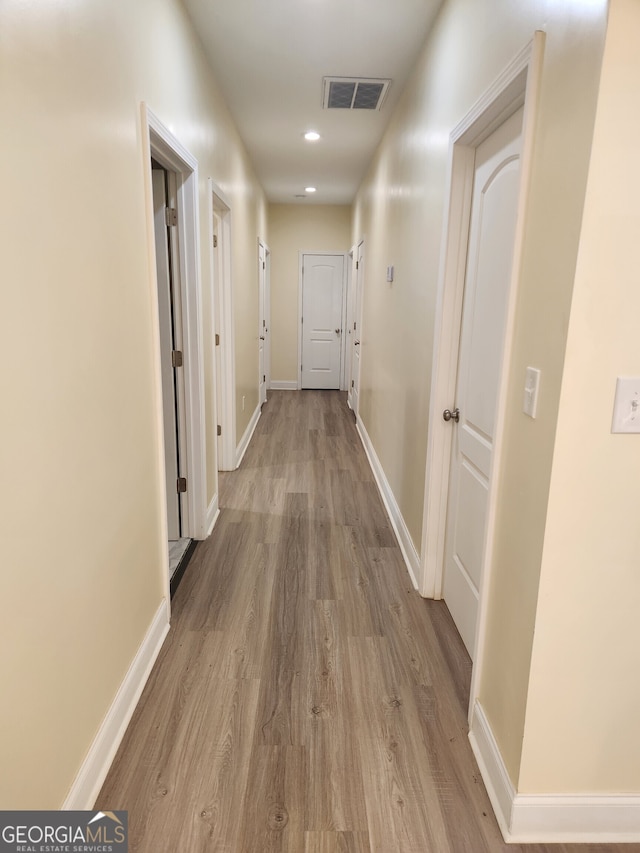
{"points": [[354, 93]]}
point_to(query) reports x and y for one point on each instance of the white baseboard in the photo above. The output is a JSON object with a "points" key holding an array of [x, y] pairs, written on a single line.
{"points": [[87, 784], [283, 385], [550, 818], [407, 547], [212, 515], [494, 773], [241, 449]]}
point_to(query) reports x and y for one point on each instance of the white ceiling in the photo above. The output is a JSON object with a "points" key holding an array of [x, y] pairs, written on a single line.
{"points": [[269, 58]]}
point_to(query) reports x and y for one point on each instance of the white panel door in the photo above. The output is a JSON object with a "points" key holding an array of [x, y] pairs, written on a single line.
{"points": [[487, 282], [322, 306], [165, 310]]}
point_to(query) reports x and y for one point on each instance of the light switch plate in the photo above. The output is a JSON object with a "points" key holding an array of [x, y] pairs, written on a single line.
{"points": [[626, 407], [531, 387]]}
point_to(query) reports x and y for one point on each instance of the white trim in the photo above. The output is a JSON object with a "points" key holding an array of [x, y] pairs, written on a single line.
{"points": [[94, 769], [224, 325], [284, 385], [170, 152], [401, 530], [492, 768], [213, 512], [345, 256], [531, 58], [550, 818], [248, 435]]}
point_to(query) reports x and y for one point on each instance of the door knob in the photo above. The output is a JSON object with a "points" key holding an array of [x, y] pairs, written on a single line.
{"points": [[261, 337], [451, 415], [338, 331]]}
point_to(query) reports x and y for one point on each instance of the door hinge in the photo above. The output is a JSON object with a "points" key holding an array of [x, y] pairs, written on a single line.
{"points": [[354, 327], [264, 266], [357, 265], [264, 323], [352, 383], [302, 319], [176, 358], [219, 430], [264, 378], [181, 485], [215, 241], [171, 216], [217, 339]]}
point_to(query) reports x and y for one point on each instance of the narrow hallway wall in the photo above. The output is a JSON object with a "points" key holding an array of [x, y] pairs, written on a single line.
{"points": [[83, 549]]}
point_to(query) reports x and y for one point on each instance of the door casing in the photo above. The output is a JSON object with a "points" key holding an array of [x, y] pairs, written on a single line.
{"points": [[222, 307], [518, 85], [158, 142]]}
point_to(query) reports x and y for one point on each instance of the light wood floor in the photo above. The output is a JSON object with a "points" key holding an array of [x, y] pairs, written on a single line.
{"points": [[306, 700]]}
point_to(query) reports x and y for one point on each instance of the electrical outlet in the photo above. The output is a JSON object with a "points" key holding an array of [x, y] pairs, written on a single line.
{"points": [[626, 407]]}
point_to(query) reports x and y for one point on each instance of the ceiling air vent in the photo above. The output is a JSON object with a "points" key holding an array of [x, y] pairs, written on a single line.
{"points": [[354, 93]]}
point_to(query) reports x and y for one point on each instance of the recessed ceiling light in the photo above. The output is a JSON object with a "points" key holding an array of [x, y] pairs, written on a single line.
{"points": [[312, 136], [309, 189]]}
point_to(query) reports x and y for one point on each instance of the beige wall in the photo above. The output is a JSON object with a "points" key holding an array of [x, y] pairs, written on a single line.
{"points": [[82, 543], [399, 209], [582, 711], [295, 228]]}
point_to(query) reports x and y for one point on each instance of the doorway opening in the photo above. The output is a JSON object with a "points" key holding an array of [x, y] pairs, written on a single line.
{"points": [[172, 212], [264, 322], [511, 99], [171, 360], [222, 324], [354, 331]]}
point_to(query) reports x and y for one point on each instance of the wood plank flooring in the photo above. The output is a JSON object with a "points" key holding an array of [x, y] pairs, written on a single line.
{"points": [[306, 700]]}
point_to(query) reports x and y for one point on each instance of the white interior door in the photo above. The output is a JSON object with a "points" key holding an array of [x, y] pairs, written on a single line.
{"points": [[322, 312], [262, 377], [487, 282], [165, 306], [356, 347]]}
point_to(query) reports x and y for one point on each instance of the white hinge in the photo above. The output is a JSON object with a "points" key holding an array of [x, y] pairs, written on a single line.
{"points": [[176, 358], [215, 241], [171, 216]]}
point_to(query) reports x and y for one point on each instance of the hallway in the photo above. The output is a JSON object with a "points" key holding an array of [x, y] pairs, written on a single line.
{"points": [[306, 699]]}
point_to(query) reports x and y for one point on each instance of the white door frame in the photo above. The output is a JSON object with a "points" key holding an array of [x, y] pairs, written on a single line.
{"points": [[519, 84], [222, 307], [351, 310], [264, 321], [267, 314], [358, 312], [344, 255], [158, 142]]}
